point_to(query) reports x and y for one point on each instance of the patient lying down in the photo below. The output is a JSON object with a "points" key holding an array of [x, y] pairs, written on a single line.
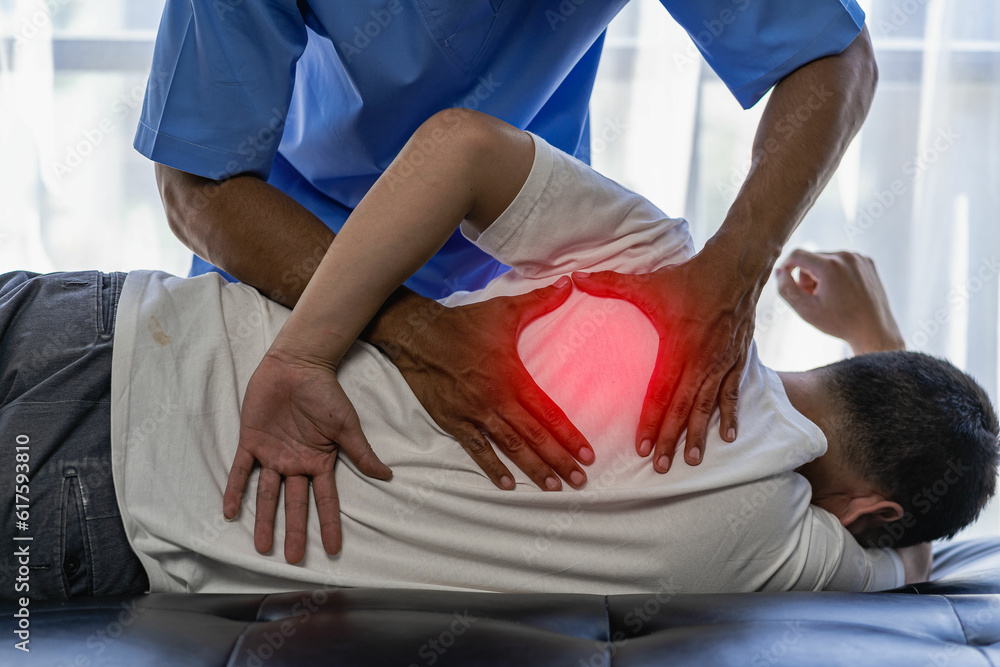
{"points": [[825, 487]]}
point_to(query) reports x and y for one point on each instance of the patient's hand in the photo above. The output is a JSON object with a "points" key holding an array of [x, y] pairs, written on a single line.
{"points": [[294, 417], [841, 294]]}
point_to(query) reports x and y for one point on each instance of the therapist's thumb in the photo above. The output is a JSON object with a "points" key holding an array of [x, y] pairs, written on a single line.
{"points": [[546, 299], [604, 283]]}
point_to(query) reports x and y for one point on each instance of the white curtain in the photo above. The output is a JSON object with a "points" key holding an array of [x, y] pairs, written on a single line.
{"points": [[73, 192], [919, 189], [26, 110]]}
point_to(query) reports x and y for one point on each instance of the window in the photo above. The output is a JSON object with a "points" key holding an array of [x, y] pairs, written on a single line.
{"points": [[75, 194]]}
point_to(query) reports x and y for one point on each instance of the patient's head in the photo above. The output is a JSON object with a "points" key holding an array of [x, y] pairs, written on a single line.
{"points": [[914, 430]]}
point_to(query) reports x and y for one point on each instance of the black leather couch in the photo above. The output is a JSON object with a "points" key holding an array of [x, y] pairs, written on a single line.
{"points": [[953, 620]]}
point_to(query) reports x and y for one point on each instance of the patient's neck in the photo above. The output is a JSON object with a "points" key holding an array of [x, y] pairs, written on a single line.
{"points": [[807, 395]]}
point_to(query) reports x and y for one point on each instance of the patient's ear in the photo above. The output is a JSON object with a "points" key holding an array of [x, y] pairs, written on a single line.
{"points": [[866, 512]]}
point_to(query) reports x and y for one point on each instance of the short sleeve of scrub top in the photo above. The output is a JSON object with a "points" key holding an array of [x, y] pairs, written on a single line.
{"points": [[752, 45], [219, 89], [223, 71]]}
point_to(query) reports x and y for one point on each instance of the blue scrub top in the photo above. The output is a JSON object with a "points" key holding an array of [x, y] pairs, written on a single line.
{"points": [[319, 97]]}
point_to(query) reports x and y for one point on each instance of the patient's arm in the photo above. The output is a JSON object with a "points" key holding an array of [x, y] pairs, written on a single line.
{"points": [[841, 294], [460, 165], [452, 169], [918, 561]]}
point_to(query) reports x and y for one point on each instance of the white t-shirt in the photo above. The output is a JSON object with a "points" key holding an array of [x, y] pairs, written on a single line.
{"points": [[740, 521]]}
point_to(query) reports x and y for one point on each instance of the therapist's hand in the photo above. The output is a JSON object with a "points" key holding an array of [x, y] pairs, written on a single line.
{"points": [[295, 416], [704, 315], [463, 366], [840, 294]]}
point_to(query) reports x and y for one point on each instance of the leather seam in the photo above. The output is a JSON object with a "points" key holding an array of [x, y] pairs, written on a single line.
{"points": [[607, 631], [243, 633], [958, 618]]}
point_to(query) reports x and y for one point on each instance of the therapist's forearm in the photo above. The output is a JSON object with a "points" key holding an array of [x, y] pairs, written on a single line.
{"points": [[246, 227], [264, 238], [807, 125]]}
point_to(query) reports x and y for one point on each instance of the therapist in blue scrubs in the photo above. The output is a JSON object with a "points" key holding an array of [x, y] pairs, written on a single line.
{"points": [[270, 119]]}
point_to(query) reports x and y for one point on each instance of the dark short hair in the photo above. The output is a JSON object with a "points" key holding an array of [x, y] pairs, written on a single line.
{"points": [[924, 433]]}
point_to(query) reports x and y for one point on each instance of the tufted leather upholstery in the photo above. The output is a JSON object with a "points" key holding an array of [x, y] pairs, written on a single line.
{"points": [[953, 620]]}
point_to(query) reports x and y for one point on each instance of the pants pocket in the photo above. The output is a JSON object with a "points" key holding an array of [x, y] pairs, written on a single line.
{"points": [[108, 289], [76, 560]]}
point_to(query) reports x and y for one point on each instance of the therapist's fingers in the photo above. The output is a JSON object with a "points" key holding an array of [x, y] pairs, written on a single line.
{"points": [[328, 511], [729, 396], [513, 443], [239, 473], [659, 393], [610, 284], [675, 421], [552, 435], [268, 487], [479, 448], [544, 299], [296, 516], [701, 413], [554, 459]]}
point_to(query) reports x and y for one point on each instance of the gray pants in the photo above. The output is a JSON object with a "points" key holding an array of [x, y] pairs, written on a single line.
{"points": [[56, 488]]}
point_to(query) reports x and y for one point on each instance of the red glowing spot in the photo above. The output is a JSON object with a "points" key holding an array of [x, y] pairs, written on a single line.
{"points": [[593, 356]]}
